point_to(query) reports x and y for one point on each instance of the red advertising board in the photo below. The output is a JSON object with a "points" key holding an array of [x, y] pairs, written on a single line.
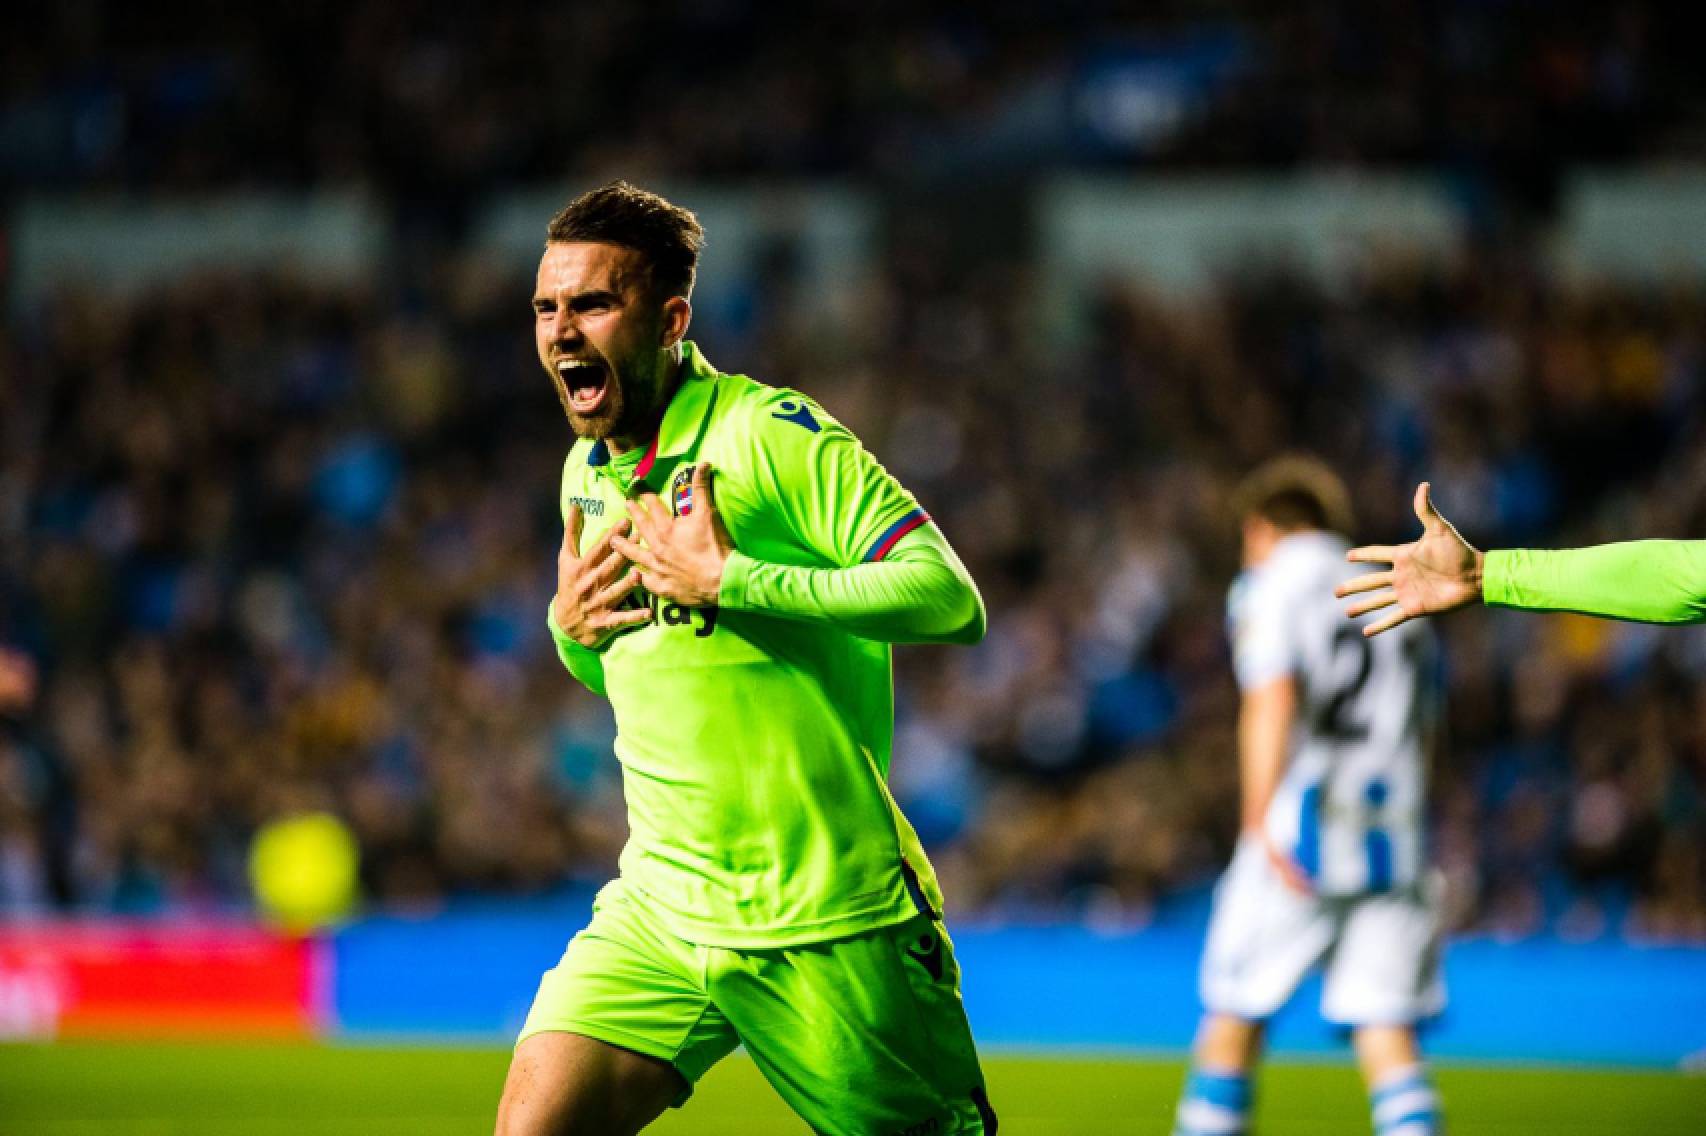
{"points": [[110, 979]]}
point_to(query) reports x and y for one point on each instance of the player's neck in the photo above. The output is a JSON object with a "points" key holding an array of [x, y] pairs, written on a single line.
{"points": [[654, 421]]}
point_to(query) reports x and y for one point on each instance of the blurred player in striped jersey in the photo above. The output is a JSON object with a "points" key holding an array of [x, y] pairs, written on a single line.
{"points": [[1330, 868]]}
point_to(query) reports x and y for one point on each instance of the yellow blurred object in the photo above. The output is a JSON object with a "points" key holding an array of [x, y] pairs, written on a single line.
{"points": [[303, 871], [1637, 370], [1580, 639]]}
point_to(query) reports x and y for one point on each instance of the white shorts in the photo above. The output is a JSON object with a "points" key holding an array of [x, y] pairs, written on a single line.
{"points": [[1380, 952]]}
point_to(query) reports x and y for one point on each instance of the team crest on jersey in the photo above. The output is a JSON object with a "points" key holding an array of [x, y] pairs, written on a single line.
{"points": [[681, 491]]}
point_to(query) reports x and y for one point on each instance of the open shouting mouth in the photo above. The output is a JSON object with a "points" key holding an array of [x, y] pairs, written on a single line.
{"points": [[587, 382]]}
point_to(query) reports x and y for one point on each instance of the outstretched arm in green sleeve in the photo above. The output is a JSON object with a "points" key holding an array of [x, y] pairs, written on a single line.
{"points": [[1653, 581]]}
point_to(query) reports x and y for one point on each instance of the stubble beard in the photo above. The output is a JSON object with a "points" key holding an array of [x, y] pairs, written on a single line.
{"points": [[610, 417], [621, 416]]}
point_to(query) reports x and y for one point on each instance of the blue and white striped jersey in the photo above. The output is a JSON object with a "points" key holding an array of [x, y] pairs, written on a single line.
{"points": [[1351, 805]]}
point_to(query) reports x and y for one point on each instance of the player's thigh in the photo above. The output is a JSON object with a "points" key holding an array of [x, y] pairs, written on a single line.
{"points": [[862, 1035], [630, 985], [565, 1083], [1385, 970], [1263, 938]]}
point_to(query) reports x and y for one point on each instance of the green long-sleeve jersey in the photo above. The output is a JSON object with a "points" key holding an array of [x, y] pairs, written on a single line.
{"points": [[1654, 581], [755, 736]]}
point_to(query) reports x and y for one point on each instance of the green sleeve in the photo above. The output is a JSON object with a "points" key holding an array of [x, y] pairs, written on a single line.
{"points": [[1653, 581], [584, 663], [919, 593], [814, 476], [883, 570]]}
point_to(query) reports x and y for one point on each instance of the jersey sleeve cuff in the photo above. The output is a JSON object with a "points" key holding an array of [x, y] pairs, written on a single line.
{"points": [[731, 590], [585, 663], [1496, 583], [1251, 676]]}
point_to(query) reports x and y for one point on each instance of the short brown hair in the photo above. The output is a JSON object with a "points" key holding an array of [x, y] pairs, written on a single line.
{"points": [[1295, 491], [665, 234]]}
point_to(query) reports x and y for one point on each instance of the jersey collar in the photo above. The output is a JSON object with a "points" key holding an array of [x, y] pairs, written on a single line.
{"points": [[683, 420]]}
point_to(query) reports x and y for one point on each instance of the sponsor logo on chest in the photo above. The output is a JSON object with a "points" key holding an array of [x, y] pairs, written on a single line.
{"points": [[703, 620]]}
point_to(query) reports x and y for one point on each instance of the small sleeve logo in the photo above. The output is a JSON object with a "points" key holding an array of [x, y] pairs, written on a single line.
{"points": [[798, 413]]}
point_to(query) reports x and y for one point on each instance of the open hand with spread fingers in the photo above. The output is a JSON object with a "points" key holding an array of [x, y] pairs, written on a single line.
{"points": [[591, 587], [1437, 572], [682, 558]]}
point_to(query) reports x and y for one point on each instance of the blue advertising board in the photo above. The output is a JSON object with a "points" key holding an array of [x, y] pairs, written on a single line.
{"points": [[469, 974]]}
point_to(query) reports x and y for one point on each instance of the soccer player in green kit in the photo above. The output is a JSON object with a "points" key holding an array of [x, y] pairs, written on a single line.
{"points": [[734, 569], [1650, 581]]}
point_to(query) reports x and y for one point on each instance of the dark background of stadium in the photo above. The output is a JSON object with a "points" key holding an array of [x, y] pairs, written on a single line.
{"points": [[274, 542]]}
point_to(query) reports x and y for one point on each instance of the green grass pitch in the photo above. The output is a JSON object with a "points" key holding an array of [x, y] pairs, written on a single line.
{"points": [[85, 1089]]}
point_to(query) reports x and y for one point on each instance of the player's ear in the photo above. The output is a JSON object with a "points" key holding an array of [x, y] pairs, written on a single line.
{"points": [[1259, 537], [677, 314]]}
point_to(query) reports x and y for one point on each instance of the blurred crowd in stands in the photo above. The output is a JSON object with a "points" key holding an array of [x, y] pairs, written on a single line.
{"points": [[268, 546], [427, 102]]}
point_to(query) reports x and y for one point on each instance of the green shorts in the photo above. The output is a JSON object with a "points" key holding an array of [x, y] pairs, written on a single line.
{"points": [[861, 1035]]}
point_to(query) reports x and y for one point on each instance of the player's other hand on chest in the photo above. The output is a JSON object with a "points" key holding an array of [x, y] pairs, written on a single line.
{"points": [[680, 558], [592, 586]]}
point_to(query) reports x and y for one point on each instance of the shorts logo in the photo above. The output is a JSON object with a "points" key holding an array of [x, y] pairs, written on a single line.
{"points": [[681, 491], [799, 414], [928, 953]]}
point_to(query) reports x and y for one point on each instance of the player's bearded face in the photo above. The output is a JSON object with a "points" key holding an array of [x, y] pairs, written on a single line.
{"points": [[599, 331]]}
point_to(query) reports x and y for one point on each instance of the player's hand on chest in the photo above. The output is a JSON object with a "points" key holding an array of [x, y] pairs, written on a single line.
{"points": [[680, 546]]}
